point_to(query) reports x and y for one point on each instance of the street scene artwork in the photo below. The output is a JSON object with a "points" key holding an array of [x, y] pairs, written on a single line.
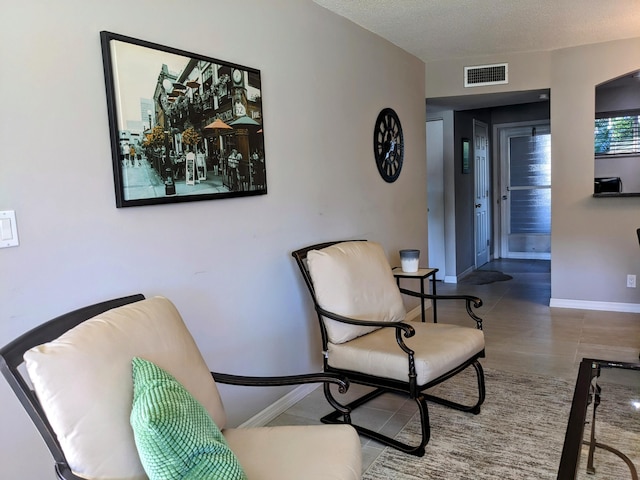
{"points": [[183, 127]]}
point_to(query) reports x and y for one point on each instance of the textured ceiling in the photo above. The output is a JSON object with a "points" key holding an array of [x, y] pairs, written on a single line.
{"points": [[443, 29]]}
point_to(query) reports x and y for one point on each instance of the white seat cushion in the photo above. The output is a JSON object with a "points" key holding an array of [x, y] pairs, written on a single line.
{"points": [[309, 452], [354, 279], [84, 382], [438, 348]]}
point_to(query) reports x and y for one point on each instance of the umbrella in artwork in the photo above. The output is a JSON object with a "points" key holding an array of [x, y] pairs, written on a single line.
{"points": [[244, 121], [218, 125]]}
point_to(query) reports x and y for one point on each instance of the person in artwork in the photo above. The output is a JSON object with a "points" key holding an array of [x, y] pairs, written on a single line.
{"points": [[215, 161], [190, 168], [233, 162], [132, 154], [257, 168], [179, 167]]}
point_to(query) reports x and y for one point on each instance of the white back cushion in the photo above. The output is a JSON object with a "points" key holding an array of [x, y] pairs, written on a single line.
{"points": [[83, 380], [354, 279]]}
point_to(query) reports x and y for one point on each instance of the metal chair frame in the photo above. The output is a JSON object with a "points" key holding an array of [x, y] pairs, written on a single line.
{"points": [[11, 359], [386, 385]]}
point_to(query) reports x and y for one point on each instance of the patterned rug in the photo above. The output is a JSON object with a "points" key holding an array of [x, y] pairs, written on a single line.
{"points": [[518, 435]]}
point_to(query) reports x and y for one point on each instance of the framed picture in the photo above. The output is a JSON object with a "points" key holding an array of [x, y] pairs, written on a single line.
{"points": [[465, 155], [183, 126]]}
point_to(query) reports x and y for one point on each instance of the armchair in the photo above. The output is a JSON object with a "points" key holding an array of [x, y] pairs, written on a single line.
{"points": [[79, 393], [365, 338]]}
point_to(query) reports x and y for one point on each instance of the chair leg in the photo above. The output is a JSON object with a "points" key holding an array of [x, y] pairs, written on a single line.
{"points": [[475, 408], [339, 417], [342, 413]]}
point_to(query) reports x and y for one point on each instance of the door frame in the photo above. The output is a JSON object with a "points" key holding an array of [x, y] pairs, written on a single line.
{"points": [[436, 217], [486, 181]]}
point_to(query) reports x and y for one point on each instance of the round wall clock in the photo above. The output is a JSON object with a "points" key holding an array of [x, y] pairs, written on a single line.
{"points": [[388, 145]]}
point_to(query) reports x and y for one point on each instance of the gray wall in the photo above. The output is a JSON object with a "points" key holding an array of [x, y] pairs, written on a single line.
{"points": [[226, 263]]}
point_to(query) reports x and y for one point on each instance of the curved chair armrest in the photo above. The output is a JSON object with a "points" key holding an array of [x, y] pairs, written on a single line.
{"points": [[400, 327], [324, 378], [471, 302], [342, 382], [405, 328]]}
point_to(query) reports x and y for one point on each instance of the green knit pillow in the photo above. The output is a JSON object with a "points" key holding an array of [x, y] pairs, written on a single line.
{"points": [[175, 435]]}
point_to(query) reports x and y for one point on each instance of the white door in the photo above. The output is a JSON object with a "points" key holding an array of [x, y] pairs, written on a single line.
{"points": [[482, 224], [525, 164], [435, 196]]}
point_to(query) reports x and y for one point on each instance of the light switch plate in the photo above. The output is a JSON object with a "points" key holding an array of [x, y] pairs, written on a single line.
{"points": [[8, 229]]}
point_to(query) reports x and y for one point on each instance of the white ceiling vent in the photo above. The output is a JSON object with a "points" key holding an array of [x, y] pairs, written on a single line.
{"points": [[480, 75]]}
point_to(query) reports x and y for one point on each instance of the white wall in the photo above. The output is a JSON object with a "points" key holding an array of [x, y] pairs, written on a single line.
{"points": [[527, 71], [225, 263], [593, 244], [625, 167]]}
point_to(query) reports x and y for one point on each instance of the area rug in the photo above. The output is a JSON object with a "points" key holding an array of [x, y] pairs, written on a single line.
{"points": [[482, 277], [518, 435]]}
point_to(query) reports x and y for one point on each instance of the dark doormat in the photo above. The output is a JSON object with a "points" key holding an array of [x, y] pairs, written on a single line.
{"points": [[482, 277]]}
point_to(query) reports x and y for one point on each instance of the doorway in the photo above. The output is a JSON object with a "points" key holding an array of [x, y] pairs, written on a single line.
{"points": [[525, 191]]}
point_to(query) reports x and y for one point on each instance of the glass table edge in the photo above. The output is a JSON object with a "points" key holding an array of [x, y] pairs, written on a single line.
{"points": [[572, 447]]}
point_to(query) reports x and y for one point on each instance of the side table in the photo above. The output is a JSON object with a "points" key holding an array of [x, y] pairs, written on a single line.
{"points": [[421, 274]]}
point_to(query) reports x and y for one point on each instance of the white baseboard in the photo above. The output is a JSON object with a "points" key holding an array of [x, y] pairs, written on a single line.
{"points": [[454, 278], [529, 256], [415, 312], [280, 406], [589, 305]]}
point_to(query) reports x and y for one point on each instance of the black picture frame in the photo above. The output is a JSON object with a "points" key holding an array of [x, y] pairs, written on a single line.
{"points": [[183, 126], [465, 155]]}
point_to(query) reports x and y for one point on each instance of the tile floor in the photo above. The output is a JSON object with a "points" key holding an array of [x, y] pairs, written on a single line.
{"points": [[522, 334]]}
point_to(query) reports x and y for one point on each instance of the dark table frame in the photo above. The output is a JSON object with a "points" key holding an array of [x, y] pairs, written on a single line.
{"points": [[583, 395], [421, 274]]}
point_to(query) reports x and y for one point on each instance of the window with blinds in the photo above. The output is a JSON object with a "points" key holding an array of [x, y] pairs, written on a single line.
{"points": [[617, 135]]}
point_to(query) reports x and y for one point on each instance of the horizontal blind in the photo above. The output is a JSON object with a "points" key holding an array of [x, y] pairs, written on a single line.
{"points": [[617, 135]]}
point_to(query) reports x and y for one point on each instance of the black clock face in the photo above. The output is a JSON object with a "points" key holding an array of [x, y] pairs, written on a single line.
{"points": [[388, 145]]}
